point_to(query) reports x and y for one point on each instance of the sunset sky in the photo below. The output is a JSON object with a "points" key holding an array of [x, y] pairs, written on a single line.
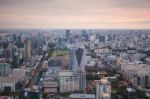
{"points": [[110, 14]]}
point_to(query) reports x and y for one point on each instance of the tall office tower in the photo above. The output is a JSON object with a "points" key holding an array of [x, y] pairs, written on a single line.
{"points": [[77, 59], [27, 48], [16, 60], [102, 39], [85, 35], [60, 41], [14, 50], [110, 37], [67, 33], [103, 89], [114, 37], [14, 37]]}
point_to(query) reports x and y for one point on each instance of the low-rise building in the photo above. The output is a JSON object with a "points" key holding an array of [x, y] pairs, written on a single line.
{"points": [[82, 96], [7, 84], [50, 84], [4, 69]]}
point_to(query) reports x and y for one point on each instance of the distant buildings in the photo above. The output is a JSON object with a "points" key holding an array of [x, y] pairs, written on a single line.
{"points": [[85, 35], [102, 39], [137, 74], [27, 48], [102, 52], [67, 34], [95, 49], [103, 89]]}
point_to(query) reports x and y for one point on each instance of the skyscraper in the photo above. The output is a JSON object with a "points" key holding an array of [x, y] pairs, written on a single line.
{"points": [[77, 59], [102, 39], [67, 33], [27, 48]]}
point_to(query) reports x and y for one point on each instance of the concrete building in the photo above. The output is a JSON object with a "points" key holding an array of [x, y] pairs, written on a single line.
{"points": [[50, 84], [102, 52], [7, 84], [4, 69], [103, 89], [82, 81], [27, 48], [71, 81]]}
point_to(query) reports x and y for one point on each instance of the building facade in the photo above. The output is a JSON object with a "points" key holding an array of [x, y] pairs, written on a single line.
{"points": [[103, 89]]}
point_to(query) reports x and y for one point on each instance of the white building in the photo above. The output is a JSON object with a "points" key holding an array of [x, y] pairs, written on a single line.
{"points": [[71, 81], [103, 89], [102, 52], [7, 84]]}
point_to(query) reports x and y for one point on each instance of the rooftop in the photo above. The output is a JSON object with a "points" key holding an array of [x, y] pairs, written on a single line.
{"points": [[83, 96], [8, 79]]}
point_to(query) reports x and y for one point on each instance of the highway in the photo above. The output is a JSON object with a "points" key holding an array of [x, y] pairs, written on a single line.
{"points": [[37, 75]]}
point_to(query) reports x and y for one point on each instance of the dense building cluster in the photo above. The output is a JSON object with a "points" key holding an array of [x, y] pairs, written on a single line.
{"points": [[74, 64]]}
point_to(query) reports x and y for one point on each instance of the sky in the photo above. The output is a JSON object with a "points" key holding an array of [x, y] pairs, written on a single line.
{"points": [[99, 14]]}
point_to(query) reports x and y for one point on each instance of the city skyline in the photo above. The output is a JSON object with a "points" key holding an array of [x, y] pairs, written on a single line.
{"points": [[108, 14]]}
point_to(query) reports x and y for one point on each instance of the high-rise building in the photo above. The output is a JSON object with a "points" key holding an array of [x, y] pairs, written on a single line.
{"points": [[67, 33], [77, 59], [85, 35], [71, 81], [103, 89], [27, 48], [102, 39], [16, 60], [109, 37]]}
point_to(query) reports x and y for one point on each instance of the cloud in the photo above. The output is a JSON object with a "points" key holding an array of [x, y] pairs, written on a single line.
{"points": [[132, 3], [75, 13]]}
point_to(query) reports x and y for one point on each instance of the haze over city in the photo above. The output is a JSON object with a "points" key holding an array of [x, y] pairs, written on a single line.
{"points": [[110, 14]]}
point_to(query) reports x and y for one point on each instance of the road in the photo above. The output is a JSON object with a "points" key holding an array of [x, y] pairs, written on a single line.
{"points": [[38, 73]]}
